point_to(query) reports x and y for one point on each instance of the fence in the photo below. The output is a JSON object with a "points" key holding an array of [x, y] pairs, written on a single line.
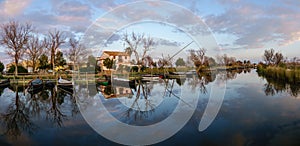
{"points": [[24, 78]]}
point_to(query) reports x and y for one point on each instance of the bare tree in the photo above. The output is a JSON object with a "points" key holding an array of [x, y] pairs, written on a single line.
{"points": [[164, 61], [269, 56], [54, 40], [134, 41], [197, 56], [77, 52], [226, 60], [148, 43], [278, 58], [35, 48], [15, 36]]}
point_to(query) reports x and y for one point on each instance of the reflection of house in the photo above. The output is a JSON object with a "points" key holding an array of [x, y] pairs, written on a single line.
{"points": [[119, 58], [118, 91]]}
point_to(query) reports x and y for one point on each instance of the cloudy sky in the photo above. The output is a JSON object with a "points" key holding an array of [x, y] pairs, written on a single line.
{"points": [[240, 28]]}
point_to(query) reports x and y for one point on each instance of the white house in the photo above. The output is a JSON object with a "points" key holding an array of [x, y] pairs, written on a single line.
{"points": [[120, 58]]}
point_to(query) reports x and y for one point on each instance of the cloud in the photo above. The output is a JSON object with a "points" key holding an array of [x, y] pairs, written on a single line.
{"points": [[255, 25], [165, 42], [14, 7]]}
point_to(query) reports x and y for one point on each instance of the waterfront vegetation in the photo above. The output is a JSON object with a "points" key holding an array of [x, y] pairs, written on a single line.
{"points": [[35, 51]]}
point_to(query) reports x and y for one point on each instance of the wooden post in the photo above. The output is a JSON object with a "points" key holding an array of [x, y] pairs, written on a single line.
{"points": [[86, 79]]}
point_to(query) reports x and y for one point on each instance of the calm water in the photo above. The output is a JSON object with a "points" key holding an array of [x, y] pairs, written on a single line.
{"points": [[254, 112]]}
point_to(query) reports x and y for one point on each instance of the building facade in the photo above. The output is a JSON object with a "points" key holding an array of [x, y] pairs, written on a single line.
{"points": [[119, 58]]}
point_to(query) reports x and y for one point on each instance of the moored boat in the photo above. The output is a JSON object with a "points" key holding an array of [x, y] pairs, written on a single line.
{"points": [[65, 84], [150, 77], [123, 82], [4, 83], [35, 85]]}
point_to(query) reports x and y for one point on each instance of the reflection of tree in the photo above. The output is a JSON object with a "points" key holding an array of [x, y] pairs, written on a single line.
{"points": [[35, 103], [269, 89], [280, 84], [1, 90], [201, 80], [16, 118], [143, 92], [54, 114]]}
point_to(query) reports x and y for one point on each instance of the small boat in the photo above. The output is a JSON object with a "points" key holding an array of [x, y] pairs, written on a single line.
{"points": [[65, 84], [123, 82], [35, 85], [4, 83], [103, 82], [150, 77], [49, 84]]}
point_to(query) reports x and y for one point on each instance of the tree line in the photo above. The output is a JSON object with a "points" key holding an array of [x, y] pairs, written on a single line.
{"points": [[23, 41], [272, 58]]}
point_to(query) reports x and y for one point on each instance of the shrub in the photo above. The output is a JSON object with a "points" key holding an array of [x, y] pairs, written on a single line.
{"points": [[21, 69]]}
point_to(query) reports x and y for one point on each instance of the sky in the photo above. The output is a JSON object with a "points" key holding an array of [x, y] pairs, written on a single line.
{"points": [[239, 28]]}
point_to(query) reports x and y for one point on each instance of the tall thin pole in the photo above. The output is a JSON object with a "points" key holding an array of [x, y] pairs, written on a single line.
{"points": [[181, 50]]}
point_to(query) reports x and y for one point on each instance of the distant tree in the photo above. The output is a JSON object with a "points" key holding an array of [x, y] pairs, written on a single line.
{"points": [[209, 61], [14, 36], [225, 60], [248, 62], [197, 57], [91, 61], [53, 41], [268, 56], [1, 67], [294, 62], [21, 69], [180, 62], [164, 61], [278, 58], [59, 59], [77, 52], [43, 62], [108, 63], [35, 48], [148, 61]]}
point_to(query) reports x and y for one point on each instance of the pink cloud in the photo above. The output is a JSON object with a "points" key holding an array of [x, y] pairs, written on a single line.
{"points": [[14, 7]]}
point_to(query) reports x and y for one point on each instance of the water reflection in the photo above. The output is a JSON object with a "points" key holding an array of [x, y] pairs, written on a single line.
{"points": [[51, 104], [151, 101], [16, 118], [249, 119], [277, 85]]}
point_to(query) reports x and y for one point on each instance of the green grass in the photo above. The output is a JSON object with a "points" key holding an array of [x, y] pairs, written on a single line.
{"points": [[279, 73]]}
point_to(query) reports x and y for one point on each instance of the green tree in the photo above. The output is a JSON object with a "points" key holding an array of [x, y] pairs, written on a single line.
{"points": [[21, 69], [91, 61], [43, 62], [108, 63], [59, 59], [1, 67], [180, 62]]}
